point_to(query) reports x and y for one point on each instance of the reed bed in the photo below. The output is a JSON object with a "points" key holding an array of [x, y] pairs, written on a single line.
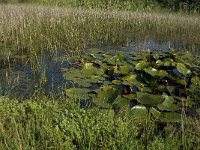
{"points": [[26, 29]]}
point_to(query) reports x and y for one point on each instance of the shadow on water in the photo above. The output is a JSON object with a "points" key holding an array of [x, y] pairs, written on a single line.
{"points": [[42, 75]]}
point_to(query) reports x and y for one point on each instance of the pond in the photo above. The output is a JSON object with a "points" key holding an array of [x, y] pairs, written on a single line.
{"points": [[24, 79]]}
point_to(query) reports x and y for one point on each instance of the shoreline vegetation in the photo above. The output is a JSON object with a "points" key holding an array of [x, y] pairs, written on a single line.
{"points": [[47, 123], [28, 31], [38, 28]]}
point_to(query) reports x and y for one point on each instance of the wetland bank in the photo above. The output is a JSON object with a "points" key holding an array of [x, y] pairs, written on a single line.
{"points": [[98, 79]]}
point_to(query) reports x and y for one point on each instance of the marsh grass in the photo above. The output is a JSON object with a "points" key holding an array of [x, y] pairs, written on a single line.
{"points": [[30, 30], [45, 124]]}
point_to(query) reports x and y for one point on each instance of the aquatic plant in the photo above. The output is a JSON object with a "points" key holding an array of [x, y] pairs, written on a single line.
{"points": [[159, 83]]}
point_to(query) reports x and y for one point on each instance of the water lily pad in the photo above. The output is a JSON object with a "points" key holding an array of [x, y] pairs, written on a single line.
{"points": [[141, 65], [115, 60], [130, 96], [149, 99], [122, 103], [183, 69], [169, 104], [122, 70], [117, 82], [166, 116], [106, 96], [145, 89], [131, 80], [152, 71], [140, 112], [167, 62], [89, 70], [156, 55], [78, 93]]}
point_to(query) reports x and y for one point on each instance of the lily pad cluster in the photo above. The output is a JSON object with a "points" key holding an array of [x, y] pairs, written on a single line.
{"points": [[158, 84]]}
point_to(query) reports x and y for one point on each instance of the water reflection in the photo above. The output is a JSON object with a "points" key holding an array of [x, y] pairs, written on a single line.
{"points": [[25, 79]]}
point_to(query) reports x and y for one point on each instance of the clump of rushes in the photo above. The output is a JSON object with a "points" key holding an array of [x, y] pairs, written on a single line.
{"points": [[33, 29]]}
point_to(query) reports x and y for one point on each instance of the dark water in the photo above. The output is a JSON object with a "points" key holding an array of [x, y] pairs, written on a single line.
{"points": [[26, 79], [43, 74]]}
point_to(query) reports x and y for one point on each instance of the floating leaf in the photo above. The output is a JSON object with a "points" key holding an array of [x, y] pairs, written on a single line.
{"points": [[155, 112], [149, 99], [167, 62], [106, 95], [169, 104], [78, 93], [141, 65], [89, 70], [166, 116], [117, 82], [162, 73], [156, 55], [152, 71], [122, 103], [117, 59], [140, 112], [131, 80], [182, 69], [130, 96], [145, 89], [122, 70]]}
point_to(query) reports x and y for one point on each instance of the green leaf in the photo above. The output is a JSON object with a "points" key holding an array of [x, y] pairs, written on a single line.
{"points": [[131, 80], [182, 69], [141, 65], [152, 71], [78, 93], [122, 103], [169, 104], [115, 60], [130, 96], [155, 112], [106, 95], [140, 112], [165, 116], [149, 99], [122, 70], [167, 62], [117, 82]]}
